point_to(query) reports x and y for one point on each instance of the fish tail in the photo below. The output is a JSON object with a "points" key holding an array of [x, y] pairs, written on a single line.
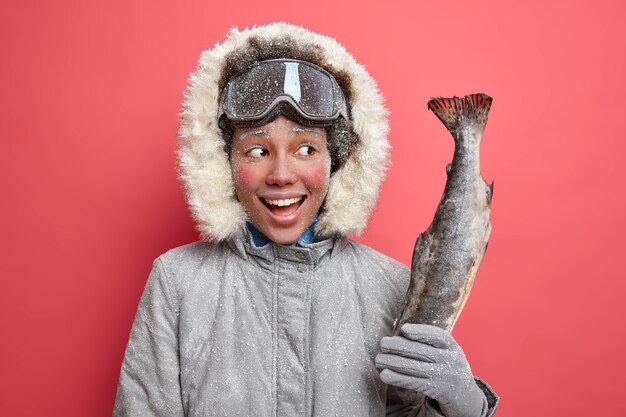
{"points": [[455, 110]]}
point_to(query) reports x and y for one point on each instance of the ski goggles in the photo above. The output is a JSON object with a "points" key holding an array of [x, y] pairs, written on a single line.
{"points": [[252, 97]]}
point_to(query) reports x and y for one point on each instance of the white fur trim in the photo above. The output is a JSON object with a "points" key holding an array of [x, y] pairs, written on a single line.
{"points": [[203, 164]]}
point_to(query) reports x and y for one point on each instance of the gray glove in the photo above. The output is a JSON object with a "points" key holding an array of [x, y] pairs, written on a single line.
{"points": [[428, 360]]}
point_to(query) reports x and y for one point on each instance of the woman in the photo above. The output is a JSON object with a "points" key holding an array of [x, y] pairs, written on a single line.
{"points": [[282, 150]]}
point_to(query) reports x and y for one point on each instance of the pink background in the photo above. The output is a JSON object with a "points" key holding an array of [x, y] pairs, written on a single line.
{"points": [[90, 93]]}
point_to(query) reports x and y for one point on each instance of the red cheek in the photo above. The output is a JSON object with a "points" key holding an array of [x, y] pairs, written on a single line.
{"points": [[245, 176], [317, 176]]}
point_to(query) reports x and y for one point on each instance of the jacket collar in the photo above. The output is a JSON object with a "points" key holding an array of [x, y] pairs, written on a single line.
{"points": [[311, 254]]}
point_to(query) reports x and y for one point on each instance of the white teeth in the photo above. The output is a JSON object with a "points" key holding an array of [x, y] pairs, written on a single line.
{"points": [[285, 202]]}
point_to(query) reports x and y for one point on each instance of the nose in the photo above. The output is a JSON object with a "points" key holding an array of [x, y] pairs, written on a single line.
{"points": [[282, 172]]}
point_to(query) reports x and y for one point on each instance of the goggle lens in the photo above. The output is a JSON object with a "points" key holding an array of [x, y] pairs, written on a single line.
{"points": [[311, 91]]}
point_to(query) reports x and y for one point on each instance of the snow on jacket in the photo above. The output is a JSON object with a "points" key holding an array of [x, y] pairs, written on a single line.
{"points": [[228, 328], [233, 329]]}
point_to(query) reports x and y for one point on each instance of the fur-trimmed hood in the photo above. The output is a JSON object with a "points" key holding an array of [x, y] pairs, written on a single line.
{"points": [[203, 163]]}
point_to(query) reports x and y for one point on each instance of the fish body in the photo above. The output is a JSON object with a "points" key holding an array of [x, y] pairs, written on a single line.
{"points": [[447, 255]]}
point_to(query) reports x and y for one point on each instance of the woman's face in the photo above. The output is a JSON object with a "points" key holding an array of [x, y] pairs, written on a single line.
{"points": [[281, 172]]}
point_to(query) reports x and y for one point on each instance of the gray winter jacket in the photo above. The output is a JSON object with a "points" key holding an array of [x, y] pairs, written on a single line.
{"points": [[231, 329]]}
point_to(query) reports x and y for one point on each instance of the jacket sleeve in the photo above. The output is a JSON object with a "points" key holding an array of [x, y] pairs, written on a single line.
{"points": [[405, 403], [149, 382]]}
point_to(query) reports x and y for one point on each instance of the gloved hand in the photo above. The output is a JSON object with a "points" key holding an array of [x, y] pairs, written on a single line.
{"points": [[428, 359]]}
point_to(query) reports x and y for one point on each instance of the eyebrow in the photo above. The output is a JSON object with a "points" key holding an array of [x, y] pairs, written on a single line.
{"points": [[257, 132], [301, 129]]}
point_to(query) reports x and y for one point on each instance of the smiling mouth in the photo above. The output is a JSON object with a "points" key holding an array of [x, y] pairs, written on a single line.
{"points": [[283, 207]]}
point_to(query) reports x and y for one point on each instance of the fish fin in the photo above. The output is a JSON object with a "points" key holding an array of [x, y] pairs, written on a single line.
{"points": [[490, 196], [451, 111]]}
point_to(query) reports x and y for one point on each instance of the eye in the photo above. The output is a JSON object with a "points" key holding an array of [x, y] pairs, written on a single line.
{"points": [[305, 150], [256, 152]]}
